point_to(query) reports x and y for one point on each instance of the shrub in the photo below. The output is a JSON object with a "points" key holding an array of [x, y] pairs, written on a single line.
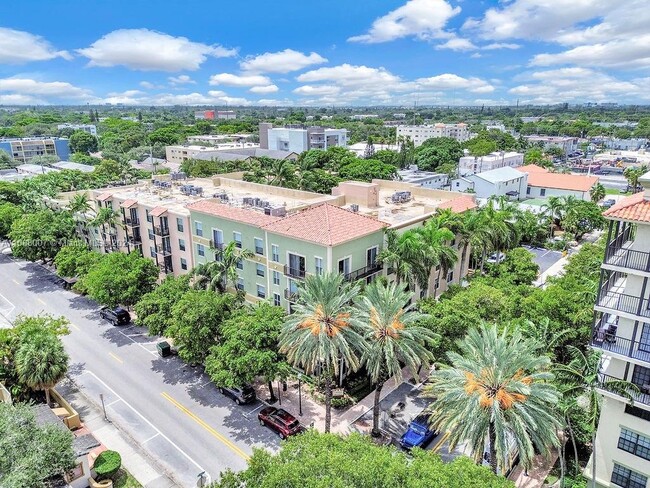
{"points": [[107, 464]]}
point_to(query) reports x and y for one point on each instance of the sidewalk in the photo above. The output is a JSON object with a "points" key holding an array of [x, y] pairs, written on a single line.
{"points": [[536, 475], [134, 461]]}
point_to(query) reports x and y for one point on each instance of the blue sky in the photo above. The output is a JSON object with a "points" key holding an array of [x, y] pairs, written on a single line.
{"points": [[289, 52]]}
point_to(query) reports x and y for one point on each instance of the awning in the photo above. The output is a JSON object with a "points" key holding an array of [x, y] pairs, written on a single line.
{"points": [[104, 196], [128, 203], [158, 211]]}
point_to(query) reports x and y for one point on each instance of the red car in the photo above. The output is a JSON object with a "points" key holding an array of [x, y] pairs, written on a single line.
{"points": [[280, 421]]}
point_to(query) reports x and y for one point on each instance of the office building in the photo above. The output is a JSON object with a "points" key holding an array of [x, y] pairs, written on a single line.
{"points": [[24, 149], [420, 133], [622, 332], [300, 139], [468, 165], [226, 115], [225, 152], [90, 128]]}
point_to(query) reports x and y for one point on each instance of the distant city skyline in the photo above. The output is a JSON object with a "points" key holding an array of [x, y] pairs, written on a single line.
{"points": [[384, 52]]}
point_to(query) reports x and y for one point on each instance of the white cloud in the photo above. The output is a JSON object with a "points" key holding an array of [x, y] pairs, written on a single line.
{"points": [[448, 81], [500, 45], [309, 90], [137, 97], [264, 89], [18, 99], [18, 47], [270, 102], [457, 44], [230, 79], [281, 62], [424, 19], [347, 75], [53, 89], [181, 80], [147, 84], [476, 55], [147, 50]]}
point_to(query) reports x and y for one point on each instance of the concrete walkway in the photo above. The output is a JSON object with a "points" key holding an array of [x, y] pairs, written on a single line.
{"points": [[534, 477], [141, 467]]}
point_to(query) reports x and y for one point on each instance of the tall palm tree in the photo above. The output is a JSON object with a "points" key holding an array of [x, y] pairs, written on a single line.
{"points": [[436, 250], [553, 210], [597, 192], [106, 217], [80, 205], [393, 338], [497, 388], [41, 362], [324, 331], [403, 253], [580, 382], [218, 274]]}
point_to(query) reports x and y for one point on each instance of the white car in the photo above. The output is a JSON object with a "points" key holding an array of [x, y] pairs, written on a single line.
{"points": [[496, 258]]}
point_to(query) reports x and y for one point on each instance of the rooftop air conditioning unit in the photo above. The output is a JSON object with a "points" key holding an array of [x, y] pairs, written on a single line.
{"points": [[354, 207]]}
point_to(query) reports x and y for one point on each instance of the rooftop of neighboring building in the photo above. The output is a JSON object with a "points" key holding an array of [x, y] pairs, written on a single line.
{"points": [[635, 208], [84, 168], [549, 138], [35, 169], [562, 181], [34, 138], [499, 175], [494, 156], [532, 168], [237, 214]]}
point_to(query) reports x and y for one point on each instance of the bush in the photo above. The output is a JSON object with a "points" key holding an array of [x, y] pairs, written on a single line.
{"points": [[342, 402], [107, 464]]}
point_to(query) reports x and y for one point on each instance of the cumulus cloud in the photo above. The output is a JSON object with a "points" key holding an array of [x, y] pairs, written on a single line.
{"points": [[264, 89], [147, 50], [347, 74], [136, 97], [18, 99], [500, 45], [230, 79], [181, 80], [19, 47], [281, 62], [309, 90], [53, 89], [423, 19], [457, 44], [448, 81]]}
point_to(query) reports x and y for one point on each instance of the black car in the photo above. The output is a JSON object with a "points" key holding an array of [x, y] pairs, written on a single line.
{"points": [[116, 316], [242, 395]]}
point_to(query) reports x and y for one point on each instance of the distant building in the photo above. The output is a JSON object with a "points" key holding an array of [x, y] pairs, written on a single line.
{"points": [[301, 139], [204, 114], [420, 133], [359, 148], [468, 165], [84, 168], [178, 154], [363, 116], [90, 128], [505, 181], [33, 169], [25, 149], [528, 120], [633, 144], [427, 179], [226, 114], [217, 139], [542, 183], [566, 144], [399, 116]]}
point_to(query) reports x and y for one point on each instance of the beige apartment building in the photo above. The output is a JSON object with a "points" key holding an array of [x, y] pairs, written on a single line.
{"points": [[420, 133], [622, 332]]}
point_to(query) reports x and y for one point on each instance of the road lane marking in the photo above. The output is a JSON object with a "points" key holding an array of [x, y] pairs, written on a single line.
{"points": [[207, 427], [136, 342], [74, 326], [113, 402], [150, 438], [41, 301], [117, 358], [16, 282], [438, 446]]}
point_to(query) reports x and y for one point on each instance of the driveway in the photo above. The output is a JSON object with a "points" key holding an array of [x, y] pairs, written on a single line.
{"points": [[543, 257]]}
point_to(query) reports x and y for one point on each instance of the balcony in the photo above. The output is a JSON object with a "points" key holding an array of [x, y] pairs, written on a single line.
{"points": [[623, 257], [291, 296], [134, 240], [607, 340], [163, 251], [132, 222], [623, 303], [642, 397], [360, 273], [160, 231], [165, 268], [216, 245], [294, 272], [109, 230]]}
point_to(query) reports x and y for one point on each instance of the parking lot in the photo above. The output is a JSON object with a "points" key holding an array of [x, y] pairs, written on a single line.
{"points": [[543, 257]]}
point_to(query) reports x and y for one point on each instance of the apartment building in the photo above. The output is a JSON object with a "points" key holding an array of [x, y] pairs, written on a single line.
{"points": [[223, 152], [420, 133], [27, 148], [566, 144], [469, 165], [300, 139], [427, 179], [90, 128], [506, 181], [543, 183], [622, 332], [204, 115]]}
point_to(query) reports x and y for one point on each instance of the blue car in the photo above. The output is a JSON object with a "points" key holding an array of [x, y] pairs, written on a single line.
{"points": [[418, 433]]}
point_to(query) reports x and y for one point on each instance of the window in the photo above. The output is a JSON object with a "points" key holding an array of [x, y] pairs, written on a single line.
{"points": [[437, 283], [179, 224], [240, 264], [198, 228], [236, 236], [152, 251], [528, 190], [200, 249], [637, 412], [345, 266], [261, 291], [450, 276], [627, 478], [634, 443], [259, 246], [181, 244], [275, 253], [318, 264], [217, 238], [641, 376], [276, 278], [276, 300], [149, 217], [260, 270], [371, 256], [183, 263], [542, 192], [150, 232], [240, 283]]}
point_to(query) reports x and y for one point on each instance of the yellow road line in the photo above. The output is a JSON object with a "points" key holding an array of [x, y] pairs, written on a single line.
{"points": [[437, 447], [214, 433], [117, 358], [41, 301]]}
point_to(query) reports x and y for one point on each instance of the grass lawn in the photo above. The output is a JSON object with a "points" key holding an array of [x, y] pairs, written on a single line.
{"points": [[614, 191], [123, 479]]}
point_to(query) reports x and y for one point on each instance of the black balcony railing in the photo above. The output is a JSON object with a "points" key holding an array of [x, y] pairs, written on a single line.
{"points": [[160, 231], [627, 258], [609, 341], [165, 268], [643, 396], [132, 221], [294, 272], [163, 251], [216, 245], [623, 303], [360, 273], [133, 240], [292, 296]]}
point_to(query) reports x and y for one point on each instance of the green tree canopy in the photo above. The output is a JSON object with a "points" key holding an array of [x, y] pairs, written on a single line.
{"points": [[367, 170], [9, 213], [71, 259], [519, 267], [437, 151], [83, 142], [40, 235], [154, 309]]}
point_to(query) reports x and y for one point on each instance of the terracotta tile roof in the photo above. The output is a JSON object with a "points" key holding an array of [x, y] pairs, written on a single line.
{"points": [[562, 181], [634, 208], [460, 204], [128, 203], [532, 168], [243, 215], [158, 211], [326, 225], [104, 196]]}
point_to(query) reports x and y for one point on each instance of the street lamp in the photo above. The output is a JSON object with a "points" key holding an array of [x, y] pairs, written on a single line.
{"points": [[300, 395], [101, 397]]}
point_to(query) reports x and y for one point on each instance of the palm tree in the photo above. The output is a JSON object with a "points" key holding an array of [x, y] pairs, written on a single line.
{"points": [[597, 192], [553, 210], [633, 174], [80, 205], [218, 274], [403, 253], [437, 252], [393, 338], [41, 362], [580, 382], [324, 331], [105, 217], [497, 388]]}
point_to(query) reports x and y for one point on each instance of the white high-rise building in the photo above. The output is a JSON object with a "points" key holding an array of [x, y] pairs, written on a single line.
{"points": [[469, 165], [420, 133]]}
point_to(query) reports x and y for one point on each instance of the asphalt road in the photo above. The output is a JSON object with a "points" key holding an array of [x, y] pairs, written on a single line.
{"points": [[170, 409], [544, 257]]}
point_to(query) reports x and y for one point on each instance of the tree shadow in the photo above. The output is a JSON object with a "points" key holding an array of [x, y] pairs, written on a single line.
{"points": [[175, 371]]}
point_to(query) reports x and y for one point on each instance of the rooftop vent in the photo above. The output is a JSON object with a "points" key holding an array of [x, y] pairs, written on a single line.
{"points": [[401, 197]]}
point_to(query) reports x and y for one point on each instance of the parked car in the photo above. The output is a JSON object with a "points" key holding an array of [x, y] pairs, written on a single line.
{"points": [[608, 203], [117, 315], [242, 395], [496, 258], [280, 421], [418, 433]]}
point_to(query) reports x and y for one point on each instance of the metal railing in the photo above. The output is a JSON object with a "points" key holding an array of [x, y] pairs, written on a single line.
{"points": [[132, 222], [160, 231], [216, 245], [291, 296], [627, 258], [609, 341], [163, 250], [134, 240], [642, 397], [357, 274], [623, 303], [294, 272]]}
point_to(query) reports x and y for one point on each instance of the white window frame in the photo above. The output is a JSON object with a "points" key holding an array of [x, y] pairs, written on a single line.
{"points": [[376, 254], [234, 234], [343, 259], [278, 253], [200, 248], [275, 274], [196, 229], [322, 265], [255, 239], [257, 291]]}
